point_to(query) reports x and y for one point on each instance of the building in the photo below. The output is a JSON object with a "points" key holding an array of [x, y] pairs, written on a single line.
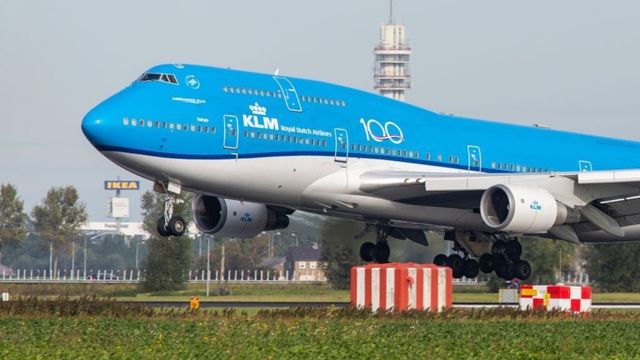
{"points": [[274, 263], [391, 71], [303, 263]]}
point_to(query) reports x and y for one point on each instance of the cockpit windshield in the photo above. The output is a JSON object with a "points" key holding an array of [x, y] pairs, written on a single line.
{"points": [[166, 78]]}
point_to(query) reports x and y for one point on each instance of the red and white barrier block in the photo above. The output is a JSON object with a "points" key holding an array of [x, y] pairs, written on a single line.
{"points": [[401, 286], [556, 297]]}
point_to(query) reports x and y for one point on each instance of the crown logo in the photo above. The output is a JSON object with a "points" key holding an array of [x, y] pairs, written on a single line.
{"points": [[256, 109]]}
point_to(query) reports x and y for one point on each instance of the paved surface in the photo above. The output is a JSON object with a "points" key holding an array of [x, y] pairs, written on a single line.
{"points": [[288, 304]]}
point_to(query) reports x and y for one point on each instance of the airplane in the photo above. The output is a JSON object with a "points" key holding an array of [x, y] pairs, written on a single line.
{"points": [[256, 147]]}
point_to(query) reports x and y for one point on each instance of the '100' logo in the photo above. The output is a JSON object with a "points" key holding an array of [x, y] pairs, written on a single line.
{"points": [[377, 132]]}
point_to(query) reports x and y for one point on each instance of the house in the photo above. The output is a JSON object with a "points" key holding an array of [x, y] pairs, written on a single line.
{"points": [[303, 263], [6, 271], [274, 263]]}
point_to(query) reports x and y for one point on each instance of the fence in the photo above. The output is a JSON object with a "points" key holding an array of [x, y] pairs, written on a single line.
{"points": [[136, 275]]}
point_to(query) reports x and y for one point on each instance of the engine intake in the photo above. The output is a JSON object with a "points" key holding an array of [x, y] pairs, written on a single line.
{"points": [[232, 218], [521, 209]]}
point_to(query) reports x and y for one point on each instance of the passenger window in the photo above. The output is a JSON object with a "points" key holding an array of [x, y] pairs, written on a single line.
{"points": [[125, 121], [232, 90], [271, 137], [134, 122], [164, 124], [213, 130], [178, 126], [246, 133], [253, 134], [171, 125], [149, 123], [193, 128]]}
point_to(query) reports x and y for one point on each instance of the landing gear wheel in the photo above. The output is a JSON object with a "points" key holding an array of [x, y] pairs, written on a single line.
{"points": [[522, 269], [162, 227], [456, 263], [366, 251], [177, 226], [513, 250], [498, 247], [440, 260], [500, 266], [486, 263], [382, 252], [471, 268]]}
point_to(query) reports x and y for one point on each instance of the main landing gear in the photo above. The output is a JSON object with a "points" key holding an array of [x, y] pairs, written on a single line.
{"points": [[461, 265], [380, 251], [169, 224], [505, 260]]}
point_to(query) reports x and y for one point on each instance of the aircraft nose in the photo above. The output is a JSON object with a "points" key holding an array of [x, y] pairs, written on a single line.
{"points": [[93, 125]]}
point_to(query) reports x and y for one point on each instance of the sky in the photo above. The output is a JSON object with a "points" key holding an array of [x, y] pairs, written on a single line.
{"points": [[571, 64]]}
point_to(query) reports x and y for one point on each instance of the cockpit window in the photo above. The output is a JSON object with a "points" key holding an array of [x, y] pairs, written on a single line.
{"points": [[166, 78]]}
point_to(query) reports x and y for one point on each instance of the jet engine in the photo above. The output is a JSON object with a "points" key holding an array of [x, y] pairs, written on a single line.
{"points": [[521, 209], [232, 218]]}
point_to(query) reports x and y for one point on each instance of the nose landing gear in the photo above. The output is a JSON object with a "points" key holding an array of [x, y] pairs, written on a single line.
{"points": [[169, 224]]}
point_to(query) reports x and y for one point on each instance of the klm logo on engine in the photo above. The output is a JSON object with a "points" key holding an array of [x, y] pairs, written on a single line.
{"points": [[535, 205], [247, 218], [259, 119]]}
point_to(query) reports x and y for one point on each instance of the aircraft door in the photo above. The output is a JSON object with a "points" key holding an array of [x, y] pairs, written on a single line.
{"points": [[289, 94], [474, 158], [230, 140], [342, 145], [585, 166]]}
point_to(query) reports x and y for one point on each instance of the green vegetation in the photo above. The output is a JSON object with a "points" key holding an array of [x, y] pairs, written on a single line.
{"points": [[93, 328], [57, 221]]}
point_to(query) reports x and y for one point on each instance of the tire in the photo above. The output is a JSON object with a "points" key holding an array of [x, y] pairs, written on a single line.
{"points": [[163, 230], [177, 226], [498, 247], [522, 270], [456, 263], [499, 266], [513, 249], [508, 272], [366, 251], [471, 268], [486, 263], [440, 260], [382, 252]]}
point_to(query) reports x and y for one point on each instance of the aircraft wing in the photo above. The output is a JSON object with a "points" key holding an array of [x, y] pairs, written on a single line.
{"points": [[609, 201]]}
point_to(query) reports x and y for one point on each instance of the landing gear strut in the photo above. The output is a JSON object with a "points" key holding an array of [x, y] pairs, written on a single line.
{"points": [[170, 224], [380, 251]]}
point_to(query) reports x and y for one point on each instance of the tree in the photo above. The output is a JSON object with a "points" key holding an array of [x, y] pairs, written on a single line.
{"points": [[339, 251], [13, 220], [169, 258], [58, 219], [548, 257], [614, 267]]}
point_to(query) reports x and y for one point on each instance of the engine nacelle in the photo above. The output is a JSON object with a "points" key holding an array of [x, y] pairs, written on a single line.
{"points": [[232, 218], [521, 209]]}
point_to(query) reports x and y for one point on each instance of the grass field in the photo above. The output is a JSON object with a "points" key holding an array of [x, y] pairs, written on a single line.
{"points": [[99, 329], [68, 328], [248, 292]]}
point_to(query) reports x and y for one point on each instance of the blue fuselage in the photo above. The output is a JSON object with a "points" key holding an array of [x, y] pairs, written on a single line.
{"points": [[251, 115]]}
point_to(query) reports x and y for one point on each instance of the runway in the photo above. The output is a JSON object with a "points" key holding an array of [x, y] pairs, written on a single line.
{"points": [[288, 304]]}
